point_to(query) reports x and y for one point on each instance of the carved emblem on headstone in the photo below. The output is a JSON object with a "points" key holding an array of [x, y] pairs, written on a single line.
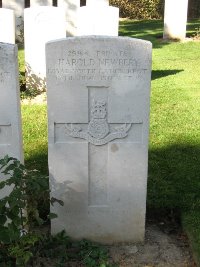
{"points": [[98, 131]]}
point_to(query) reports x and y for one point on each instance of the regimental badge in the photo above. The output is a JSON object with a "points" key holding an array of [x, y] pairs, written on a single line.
{"points": [[98, 132]]}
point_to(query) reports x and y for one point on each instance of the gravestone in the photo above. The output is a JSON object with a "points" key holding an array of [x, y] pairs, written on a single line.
{"points": [[40, 3], [18, 7], [7, 26], [71, 12], [41, 24], [98, 92], [175, 19], [98, 18], [10, 116]]}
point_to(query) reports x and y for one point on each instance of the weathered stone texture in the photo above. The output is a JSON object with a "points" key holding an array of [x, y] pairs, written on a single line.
{"points": [[98, 111]]}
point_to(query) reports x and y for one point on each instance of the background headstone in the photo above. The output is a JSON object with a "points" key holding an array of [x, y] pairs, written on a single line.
{"points": [[18, 7], [10, 115], [98, 18], [175, 19], [41, 24], [7, 26], [71, 12], [98, 92], [40, 3]]}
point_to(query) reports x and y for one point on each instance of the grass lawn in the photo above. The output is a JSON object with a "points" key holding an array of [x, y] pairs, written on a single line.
{"points": [[34, 119], [174, 150]]}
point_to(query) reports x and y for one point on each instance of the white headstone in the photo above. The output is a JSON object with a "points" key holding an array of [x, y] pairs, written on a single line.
{"points": [[175, 19], [71, 12], [98, 110], [18, 7], [10, 115], [7, 26], [98, 20], [41, 24], [40, 3]]}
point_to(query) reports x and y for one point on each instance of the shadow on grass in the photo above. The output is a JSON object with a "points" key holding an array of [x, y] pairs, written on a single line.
{"points": [[174, 177], [156, 74], [173, 190], [193, 27], [152, 30], [38, 160]]}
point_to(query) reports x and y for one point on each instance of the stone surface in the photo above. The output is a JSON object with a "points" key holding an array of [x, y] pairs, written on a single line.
{"points": [[10, 115], [175, 19], [42, 24], [98, 20], [71, 12], [98, 91], [40, 3], [7, 26], [18, 7]]}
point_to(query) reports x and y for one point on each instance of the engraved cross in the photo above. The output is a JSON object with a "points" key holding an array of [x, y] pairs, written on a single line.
{"points": [[99, 134]]}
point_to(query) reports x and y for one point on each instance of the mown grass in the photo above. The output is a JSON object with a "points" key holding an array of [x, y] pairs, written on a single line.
{"points": [[174, 149], [34, 119]]}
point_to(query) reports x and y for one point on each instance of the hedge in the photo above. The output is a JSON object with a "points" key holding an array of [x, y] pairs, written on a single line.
{"points": [[150, 9], [139, 9]]}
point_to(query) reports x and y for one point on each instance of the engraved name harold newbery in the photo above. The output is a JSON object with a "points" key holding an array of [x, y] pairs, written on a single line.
{"points": [[98, 91], [80, 66]]}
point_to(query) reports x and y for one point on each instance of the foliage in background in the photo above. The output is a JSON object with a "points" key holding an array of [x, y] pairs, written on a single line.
{"points": [[22, 79], [193, 9], [197, 34], [29, 91], [150, 9], [143, 9]]}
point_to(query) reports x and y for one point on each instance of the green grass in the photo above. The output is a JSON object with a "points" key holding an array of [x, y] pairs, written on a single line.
{"points": [[34, 119], [191, 224], [21, 59], [174, 149]]}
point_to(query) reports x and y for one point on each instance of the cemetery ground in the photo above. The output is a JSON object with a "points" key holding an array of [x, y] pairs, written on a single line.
{"points": [[173, 197]]}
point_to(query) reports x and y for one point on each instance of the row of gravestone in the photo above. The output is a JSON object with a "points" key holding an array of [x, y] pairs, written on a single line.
{"points": [[47, 23], [70, 7], [175, 16], [42, 24], [98, 94], [77, 19]]}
